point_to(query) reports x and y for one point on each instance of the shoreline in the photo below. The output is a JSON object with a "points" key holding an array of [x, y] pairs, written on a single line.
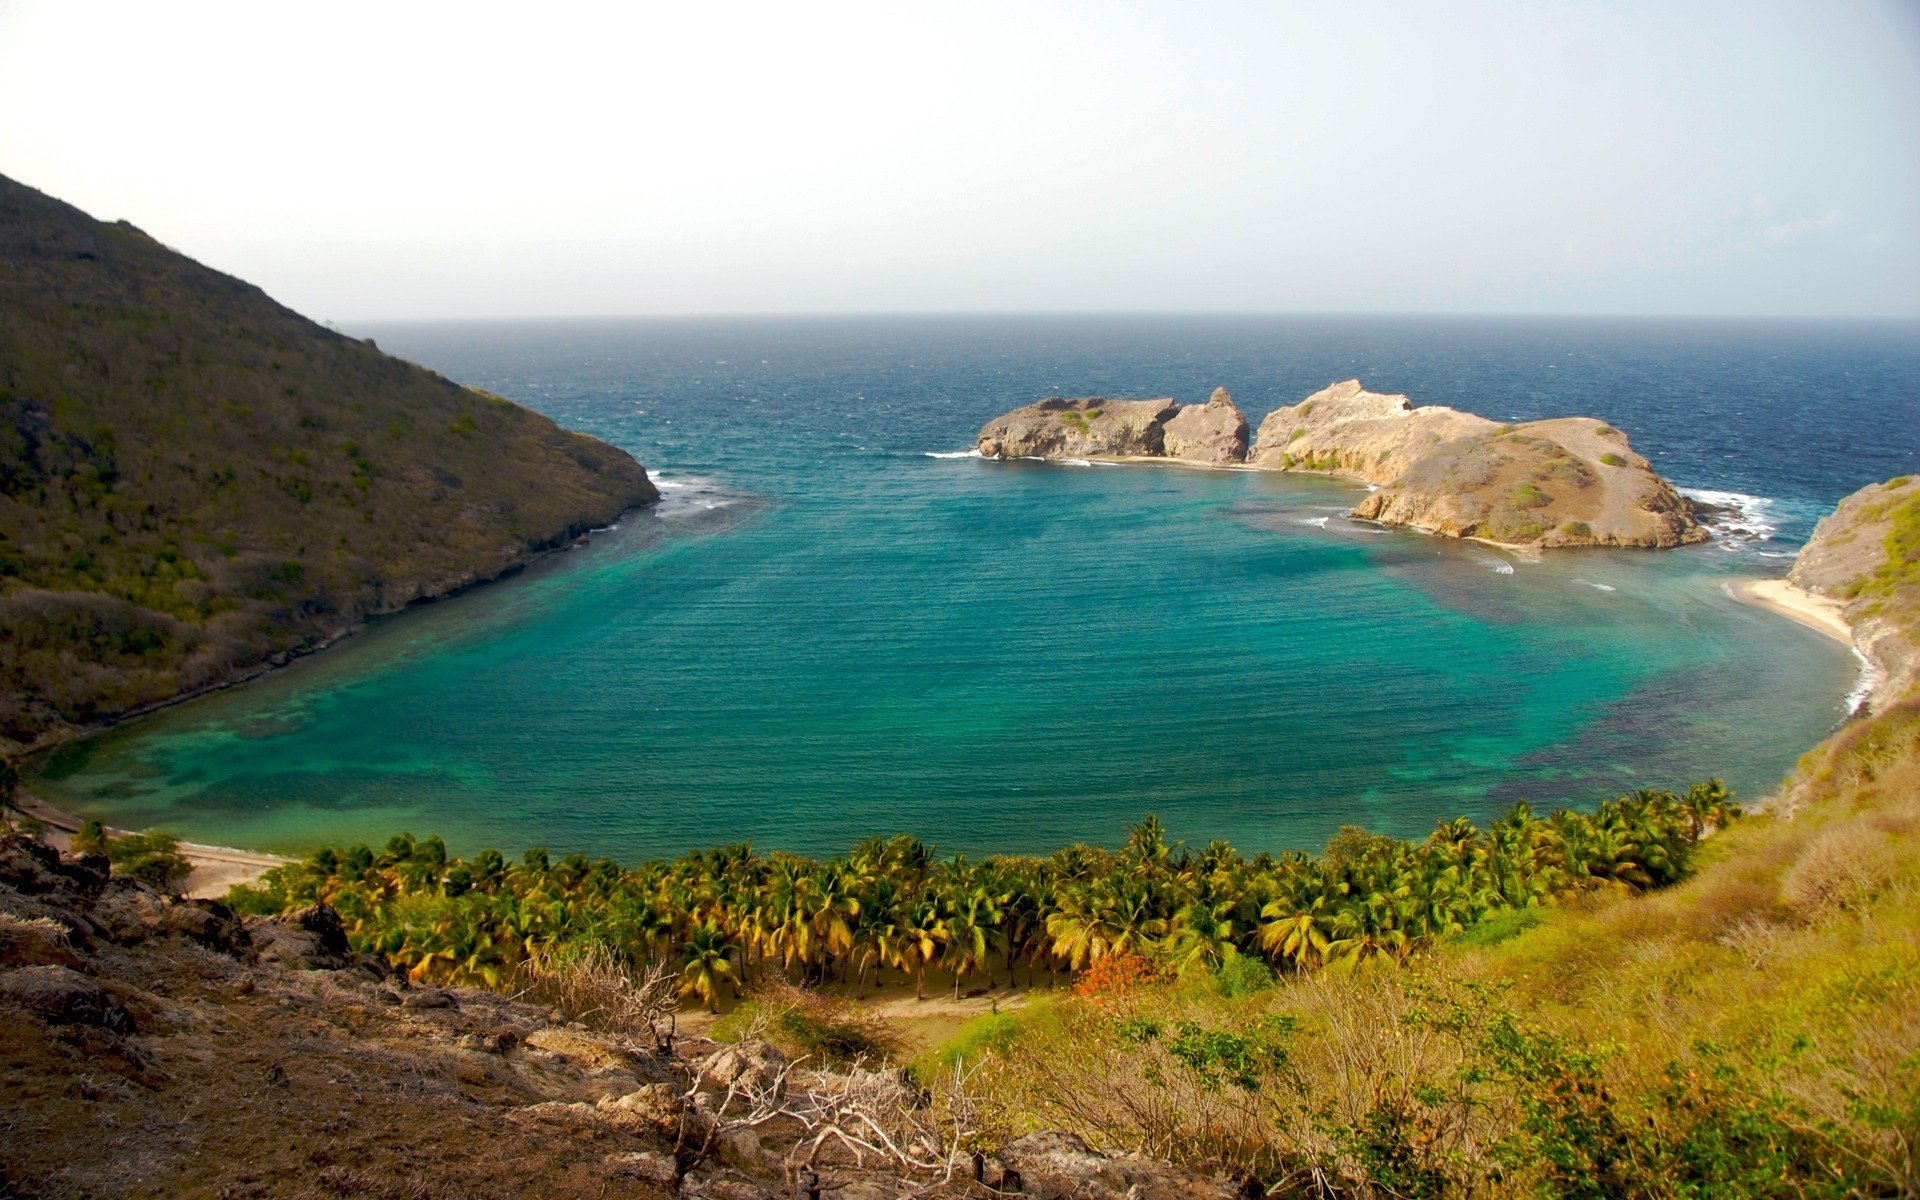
{"points": [[1797, 604], [215, 868]]}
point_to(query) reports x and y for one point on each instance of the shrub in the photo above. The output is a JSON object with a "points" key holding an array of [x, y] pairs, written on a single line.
{"points": [[1299, 431], [1841, 868], [1116, 980], [152, 858], [1579, 529], [1525, 495], [1242, 975], [92, 839], [804, 1022], [1613, 460]]}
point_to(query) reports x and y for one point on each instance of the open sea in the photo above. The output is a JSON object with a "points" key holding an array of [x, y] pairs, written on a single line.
{"points": [[839, 623]]}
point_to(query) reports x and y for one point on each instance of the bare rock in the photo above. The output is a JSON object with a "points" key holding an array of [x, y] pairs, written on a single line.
{"points": [[1213, 432], [311, 939], [62, 996], [1845, 560], [1570, 481], [658, 1106], [1086, 427], [1052, 1165], [758, 1063], [647, 1166]]}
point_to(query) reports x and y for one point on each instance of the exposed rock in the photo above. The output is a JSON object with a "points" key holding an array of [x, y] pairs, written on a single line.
{"points": [[647, 1166], [1846, 560], [1213, 432], [1088, 427], [311, 939], [759, 1063], [62, 996], [428, 998], [1570, 481], [1052, 1165]]}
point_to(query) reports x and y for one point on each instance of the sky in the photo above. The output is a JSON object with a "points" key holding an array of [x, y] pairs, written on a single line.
{"points": [[379, 161]]}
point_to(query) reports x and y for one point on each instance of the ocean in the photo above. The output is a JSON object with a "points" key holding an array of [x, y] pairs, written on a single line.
{"points": [[839, 623]]}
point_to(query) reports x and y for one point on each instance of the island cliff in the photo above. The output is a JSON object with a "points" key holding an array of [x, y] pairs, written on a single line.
{"points": [[197, 482], [1093, 427], [1865, 557], [1572, 481]]}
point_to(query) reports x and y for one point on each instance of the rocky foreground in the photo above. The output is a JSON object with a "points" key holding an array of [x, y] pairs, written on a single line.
{"points": [[1571, 481], [151, 1046]]}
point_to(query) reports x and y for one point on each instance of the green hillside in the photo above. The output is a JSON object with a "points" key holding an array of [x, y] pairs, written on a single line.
{"points": [[195, 480]]}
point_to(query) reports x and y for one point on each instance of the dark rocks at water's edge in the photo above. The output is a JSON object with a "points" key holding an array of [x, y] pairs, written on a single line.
{"points": [[163, 1046], [197, 483], [1565, 482]]}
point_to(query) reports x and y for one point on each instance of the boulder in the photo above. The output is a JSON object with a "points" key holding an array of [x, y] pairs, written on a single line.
{"points": [[1053, 1165], [311, 939], [1213, 432], [758, 1064], [62, 996]]}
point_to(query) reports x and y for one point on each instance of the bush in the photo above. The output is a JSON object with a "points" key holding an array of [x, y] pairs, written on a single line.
{"points": [[814, 1024], [152, 858], [1242, 975], [1578, 529], [1613, 460]]}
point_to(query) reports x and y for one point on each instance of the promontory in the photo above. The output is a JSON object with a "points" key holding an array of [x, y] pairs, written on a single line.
{"points": [[1568, 481], [196, 482]]}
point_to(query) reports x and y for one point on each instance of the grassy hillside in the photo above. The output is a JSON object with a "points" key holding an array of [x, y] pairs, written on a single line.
{"points": [[195, 479]]}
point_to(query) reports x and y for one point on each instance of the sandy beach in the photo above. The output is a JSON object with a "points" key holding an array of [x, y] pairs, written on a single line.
{"points": [[215, 868], [1797, 604]]}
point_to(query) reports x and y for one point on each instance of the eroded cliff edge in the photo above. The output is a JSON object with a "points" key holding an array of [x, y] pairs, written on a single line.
{"points": [[1865, 555], [1570, 481]]}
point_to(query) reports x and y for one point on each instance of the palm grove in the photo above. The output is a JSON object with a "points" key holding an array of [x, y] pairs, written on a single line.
{"points": [[728, 917]]}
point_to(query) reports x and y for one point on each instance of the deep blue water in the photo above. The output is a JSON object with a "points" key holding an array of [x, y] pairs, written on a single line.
{"points": [[826, 631]]}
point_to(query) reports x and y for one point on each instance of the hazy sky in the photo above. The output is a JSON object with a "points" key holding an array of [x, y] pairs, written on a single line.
{"points": [[400, 160]]}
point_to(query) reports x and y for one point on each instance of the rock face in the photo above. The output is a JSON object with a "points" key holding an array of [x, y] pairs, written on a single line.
{"points": [[1088, 427], [1213, 433], [1863, 554], [1571, 481]]}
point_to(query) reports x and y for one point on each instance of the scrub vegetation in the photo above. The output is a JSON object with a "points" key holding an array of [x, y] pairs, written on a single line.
{"points": [[194, 479]]}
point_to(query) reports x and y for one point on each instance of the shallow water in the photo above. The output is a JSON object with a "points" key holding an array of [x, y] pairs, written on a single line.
{"points": [[838, 624]]}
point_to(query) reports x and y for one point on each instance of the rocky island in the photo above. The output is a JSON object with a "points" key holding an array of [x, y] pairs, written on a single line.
{"points": [[1570, 481]]}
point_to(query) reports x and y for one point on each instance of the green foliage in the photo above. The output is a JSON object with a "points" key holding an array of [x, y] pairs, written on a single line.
{"points": [[730, 917], [1613, 460], [92, 838], [1578, 529], [211, 434], [1299, 431], [1607, 431], [153, 858], [1901, 568], [1525, 495], [1243, 975]]}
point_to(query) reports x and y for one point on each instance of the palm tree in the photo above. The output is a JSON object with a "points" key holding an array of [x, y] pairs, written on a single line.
{"points": [[706, 964]]}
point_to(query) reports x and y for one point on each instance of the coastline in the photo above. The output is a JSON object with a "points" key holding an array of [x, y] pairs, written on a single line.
{"points": [[1797, 604], [215, 868]]}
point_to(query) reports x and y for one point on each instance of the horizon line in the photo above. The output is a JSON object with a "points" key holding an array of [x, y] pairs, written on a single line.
{"points": [[1384, 314]]}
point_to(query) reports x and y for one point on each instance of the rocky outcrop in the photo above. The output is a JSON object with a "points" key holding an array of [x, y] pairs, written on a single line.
{"points": [[1866, 555], [1213, 432], [1570, 481], [1087, 427], [1091, 427]]}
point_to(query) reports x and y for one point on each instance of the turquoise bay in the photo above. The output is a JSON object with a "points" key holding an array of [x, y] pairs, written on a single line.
{"points": [[835, 628]]}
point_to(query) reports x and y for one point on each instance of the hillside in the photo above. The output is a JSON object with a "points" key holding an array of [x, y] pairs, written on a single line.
{"points": [[196, 481]]}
